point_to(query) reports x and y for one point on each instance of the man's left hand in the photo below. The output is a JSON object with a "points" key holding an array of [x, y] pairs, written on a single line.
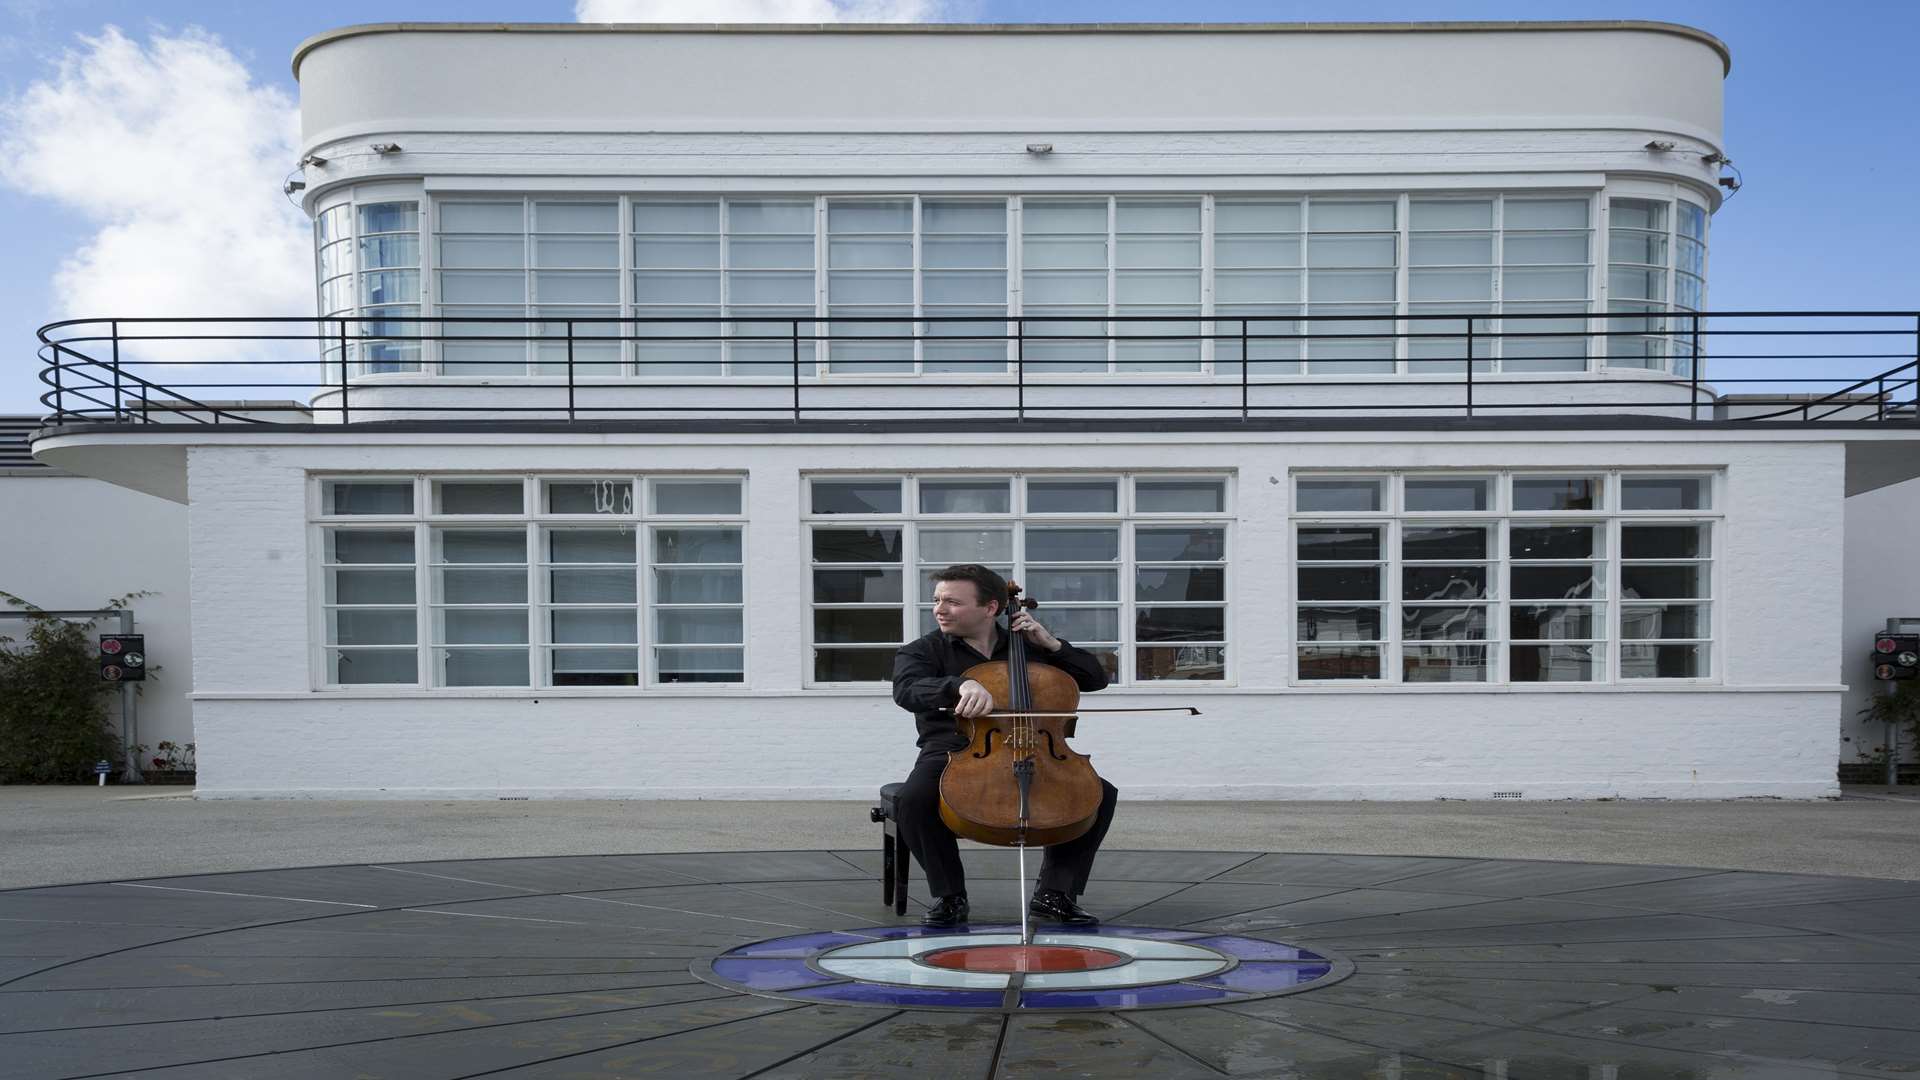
{"points": [[1024, 622]]}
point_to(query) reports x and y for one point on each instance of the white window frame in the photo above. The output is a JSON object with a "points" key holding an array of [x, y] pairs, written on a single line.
{"points": [[535, 522], [1126, 518], [1393, 518]]}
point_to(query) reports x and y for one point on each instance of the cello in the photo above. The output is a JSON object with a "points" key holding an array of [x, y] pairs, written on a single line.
{"points": [[1017, 783]]}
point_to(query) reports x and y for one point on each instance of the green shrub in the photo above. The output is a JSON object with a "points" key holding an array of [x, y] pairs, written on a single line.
{"points": [[54, 706]]}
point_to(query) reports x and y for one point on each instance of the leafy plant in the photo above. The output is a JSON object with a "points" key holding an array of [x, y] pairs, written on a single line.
{"points": [[54, 707], [1901, 707]]}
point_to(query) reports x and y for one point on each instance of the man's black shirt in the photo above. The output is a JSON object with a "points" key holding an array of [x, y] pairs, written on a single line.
{"points": [[926, 678]]}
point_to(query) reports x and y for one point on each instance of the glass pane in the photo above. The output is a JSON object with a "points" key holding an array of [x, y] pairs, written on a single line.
{"points": [[482, 252], [1084, 624], [1257, 215], [1350, 215], [1556, 493], [1545, 213], [1555, 583], [1204, 662], [1434, 663], [696, 496], [370, 587], [1638, 214], [698, 586], [1179, 496], [1665, 541], [1629, 246], [1073, 496], [481, 546], [852, 665], [684, 252], [1179, 544], [365, 496], [370, 545], [481, 587], [482, 626], [1664, 661], [485, 667], [770, 216], [696, 545], [1349, 285], [671, 217], [481, 216], [596, 667], [856, 496], [1338, 542], [484, 287], [1555, 663], [966, 496], [1450, 214], [372, 666], [1338, 624], [1335, 250], [1449, 285], [1444, 542], [862, 586], [1251, 251], [576, 251], [1340, 662], [1545, 248], [1444, 249], [576, 217], [1684, 582], [373, 627], [1451, 495], [700, 665], [1641, 621], [383, 251], [834, 626], [389, 217], [590, 497], [1543, 284], [595, 627], [1443, 623], [1337, 496], [478, 497], [856, 545], [963, 215], [702, 626], [1183, 583], [1443, 583], [965, 545], [590, 545], [1339, 583], [1664, 493], [606, 585], [1180, 624], [575, 287], [1073, 545], [675, 287], [1049, 586], [1554, 542], [1551, 622]]}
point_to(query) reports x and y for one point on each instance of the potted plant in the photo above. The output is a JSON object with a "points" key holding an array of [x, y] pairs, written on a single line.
{"points": [[173, 764]]}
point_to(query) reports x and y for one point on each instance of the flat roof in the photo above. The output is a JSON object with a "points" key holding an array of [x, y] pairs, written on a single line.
{"points": [[363, 29]]}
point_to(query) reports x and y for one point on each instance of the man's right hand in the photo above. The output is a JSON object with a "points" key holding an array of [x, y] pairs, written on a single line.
{"points": [[974, 700]]}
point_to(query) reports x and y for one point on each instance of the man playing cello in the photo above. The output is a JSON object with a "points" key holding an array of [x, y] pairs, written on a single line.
{"points": [[927, 681]]}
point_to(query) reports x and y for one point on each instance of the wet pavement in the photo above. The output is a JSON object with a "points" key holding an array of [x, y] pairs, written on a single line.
{"points": [[603, 966]]}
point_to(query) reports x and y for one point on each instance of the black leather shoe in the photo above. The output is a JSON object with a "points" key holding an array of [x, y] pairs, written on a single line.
{"points": [[1056, 906], [950, 911]]}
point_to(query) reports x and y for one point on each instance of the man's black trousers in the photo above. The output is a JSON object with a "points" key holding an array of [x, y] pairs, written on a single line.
{"points": [[917, 816]]}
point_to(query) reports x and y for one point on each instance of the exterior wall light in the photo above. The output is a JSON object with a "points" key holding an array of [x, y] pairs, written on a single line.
{"points": [[313, 159], [292, 186], [384, 148], [1039, 148]]}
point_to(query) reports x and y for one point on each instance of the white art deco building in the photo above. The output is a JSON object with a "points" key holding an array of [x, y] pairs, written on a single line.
{"points": [[658, 365]]}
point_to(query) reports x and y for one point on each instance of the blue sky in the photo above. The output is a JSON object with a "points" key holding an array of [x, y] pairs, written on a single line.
{"points": [[1820, 117]]}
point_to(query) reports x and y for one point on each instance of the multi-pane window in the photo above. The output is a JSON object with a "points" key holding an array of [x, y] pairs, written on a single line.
{"points": [[518, 581], [890, 259], [1131, 568], [1517, 578], [1258, 273], [1520, 257], [1352, 253], [1086, 259], [369, 273], [504, 262], [733, 269], [1656, 264]]}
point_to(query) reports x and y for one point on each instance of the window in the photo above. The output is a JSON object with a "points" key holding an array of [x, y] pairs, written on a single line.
{"points": [[558, 581], [894, 258], [1656, 264], [503, 262], [743, 268], [1131, 568], [1478, 578], [1087, 259], [368, 259]]}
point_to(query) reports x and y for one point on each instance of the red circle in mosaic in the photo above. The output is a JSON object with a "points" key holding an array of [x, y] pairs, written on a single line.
{"points": [[1023, 958]]}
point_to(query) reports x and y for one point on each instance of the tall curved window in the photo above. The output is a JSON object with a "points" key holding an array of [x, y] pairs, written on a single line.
{"points": [[369, 271], [1656, 267]]}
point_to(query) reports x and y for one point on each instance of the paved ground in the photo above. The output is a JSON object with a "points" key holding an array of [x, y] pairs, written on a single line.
{"points": [[54, 835], [568, 968]]}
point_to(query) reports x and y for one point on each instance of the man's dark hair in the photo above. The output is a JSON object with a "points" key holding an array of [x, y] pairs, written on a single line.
{"points": [[991, 586]]}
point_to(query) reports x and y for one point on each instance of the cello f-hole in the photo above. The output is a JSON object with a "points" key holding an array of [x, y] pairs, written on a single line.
{"points": [[1052, 750], [986, 743]]}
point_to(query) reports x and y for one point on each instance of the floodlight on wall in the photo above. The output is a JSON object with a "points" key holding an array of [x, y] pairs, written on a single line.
{"points": [[1659, 146], [292, 186], [384, 148], [1039, 148], [313, 159]]}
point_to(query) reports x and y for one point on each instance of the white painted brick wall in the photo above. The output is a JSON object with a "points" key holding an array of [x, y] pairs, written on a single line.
{"points": [[1768, 733]]}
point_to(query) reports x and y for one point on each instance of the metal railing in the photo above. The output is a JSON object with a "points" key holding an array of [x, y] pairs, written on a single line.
{"points": [[1809, 366]]}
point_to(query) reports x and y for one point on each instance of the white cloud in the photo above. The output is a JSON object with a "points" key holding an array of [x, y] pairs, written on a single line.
{"points": [[758, 11], [174, 155]]}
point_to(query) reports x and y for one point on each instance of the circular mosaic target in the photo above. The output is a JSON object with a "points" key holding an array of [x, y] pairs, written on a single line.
{"points": [[987, 968]]}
